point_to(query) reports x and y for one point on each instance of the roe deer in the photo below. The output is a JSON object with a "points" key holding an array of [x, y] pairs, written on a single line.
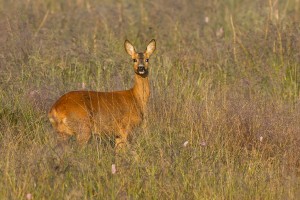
{"points": [[80, 113]]}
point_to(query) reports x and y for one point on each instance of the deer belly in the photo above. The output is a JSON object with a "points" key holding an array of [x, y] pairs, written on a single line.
{"points": [[113, 122]]}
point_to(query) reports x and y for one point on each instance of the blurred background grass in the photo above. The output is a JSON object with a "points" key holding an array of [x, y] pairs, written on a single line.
{"points": [[225, 77]]}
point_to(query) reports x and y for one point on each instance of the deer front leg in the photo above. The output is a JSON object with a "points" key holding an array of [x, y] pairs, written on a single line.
{"points": [[121, 139], [145, 122]]}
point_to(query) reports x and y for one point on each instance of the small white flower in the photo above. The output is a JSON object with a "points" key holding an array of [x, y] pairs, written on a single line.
{"points": [[206, 19], [261, 138], [203, 143], [33, 93], [28, 196], [220, 32], [113, 169], [185, 143]]}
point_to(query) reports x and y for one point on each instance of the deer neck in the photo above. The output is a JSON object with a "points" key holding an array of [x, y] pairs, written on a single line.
{"points": [[141, 91]]}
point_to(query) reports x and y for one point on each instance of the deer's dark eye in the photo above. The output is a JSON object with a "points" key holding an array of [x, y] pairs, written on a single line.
{"points": [[147, 60], [134, 60]]}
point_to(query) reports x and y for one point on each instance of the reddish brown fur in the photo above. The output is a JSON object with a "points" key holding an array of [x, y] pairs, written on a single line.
{"points": [[80, 113]]}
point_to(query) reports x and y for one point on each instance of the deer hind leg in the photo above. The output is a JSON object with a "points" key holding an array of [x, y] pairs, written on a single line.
{"points": [[63, 137], [63, 130], [83, 134]]}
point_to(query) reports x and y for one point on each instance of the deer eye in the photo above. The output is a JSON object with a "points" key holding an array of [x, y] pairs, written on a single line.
{"points": [[147, 60], [134, 60]]}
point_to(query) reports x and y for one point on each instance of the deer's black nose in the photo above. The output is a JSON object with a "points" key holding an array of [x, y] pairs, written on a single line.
{"points": [[141, 68]]}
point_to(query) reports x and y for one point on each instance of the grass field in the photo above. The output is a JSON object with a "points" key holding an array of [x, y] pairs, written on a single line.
{"points": [[224, 111]]}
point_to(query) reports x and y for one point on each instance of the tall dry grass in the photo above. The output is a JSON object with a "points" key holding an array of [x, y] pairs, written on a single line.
{"points": [[224, 110]]}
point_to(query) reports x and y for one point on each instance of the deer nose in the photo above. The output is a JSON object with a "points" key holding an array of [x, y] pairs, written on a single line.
{"points": [[141, 68]]}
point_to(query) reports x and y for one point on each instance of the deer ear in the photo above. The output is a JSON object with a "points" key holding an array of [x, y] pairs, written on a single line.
{"points": [[151, 47], [129, 48]]}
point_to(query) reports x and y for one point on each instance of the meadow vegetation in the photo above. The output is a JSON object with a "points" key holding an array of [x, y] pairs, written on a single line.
{"points": [[224, 111]]}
